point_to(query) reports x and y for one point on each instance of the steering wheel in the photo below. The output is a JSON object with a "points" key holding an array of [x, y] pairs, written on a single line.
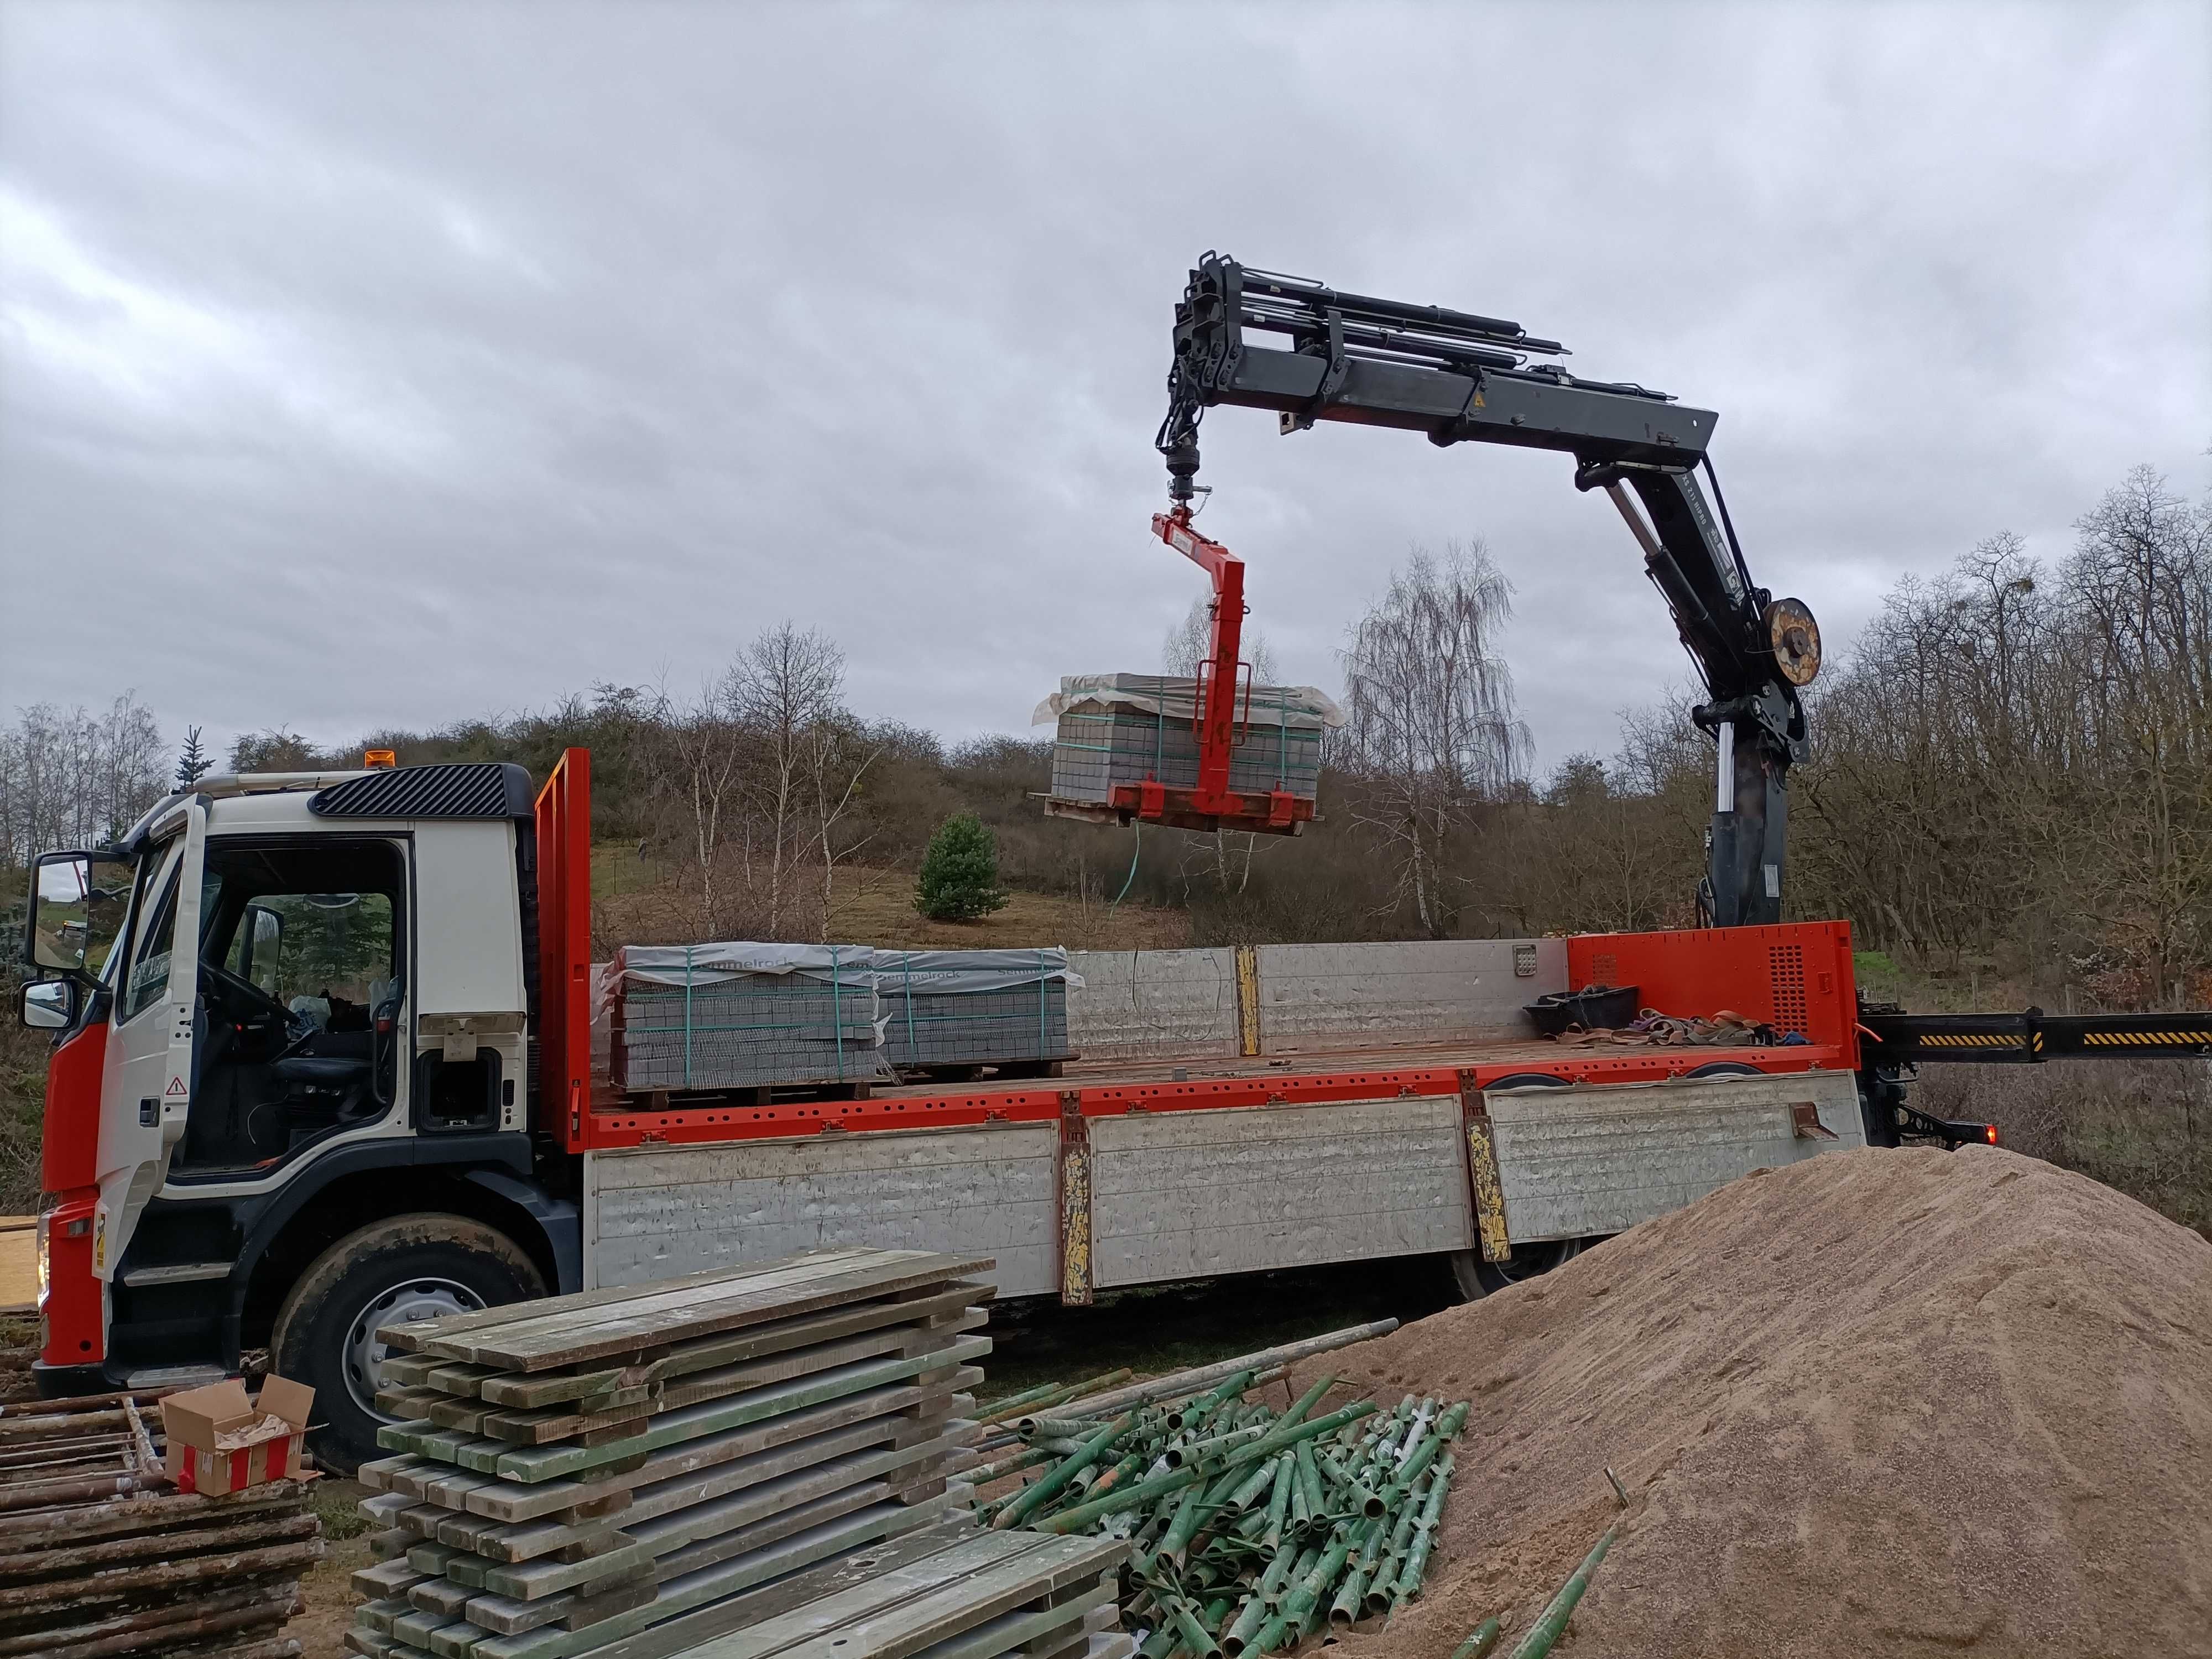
{"points": [[247, 1003]]}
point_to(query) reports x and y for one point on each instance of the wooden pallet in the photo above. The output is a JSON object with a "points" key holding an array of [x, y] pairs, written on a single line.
{"points": [[577, 1471]]}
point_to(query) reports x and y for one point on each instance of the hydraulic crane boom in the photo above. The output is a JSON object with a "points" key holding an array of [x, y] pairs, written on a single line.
{"points": [[1463, 378]]}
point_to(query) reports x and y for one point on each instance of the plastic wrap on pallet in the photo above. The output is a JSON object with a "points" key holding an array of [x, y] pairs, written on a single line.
{"points": [[1113, 729], [974, 1007], [740, 1014], [954, 973]]}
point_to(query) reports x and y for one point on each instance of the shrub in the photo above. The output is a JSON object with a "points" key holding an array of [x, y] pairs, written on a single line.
{"points": [[960, 871]]}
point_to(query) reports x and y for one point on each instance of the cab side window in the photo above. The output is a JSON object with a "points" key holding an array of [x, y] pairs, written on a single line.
{"points": [[147, 976]]}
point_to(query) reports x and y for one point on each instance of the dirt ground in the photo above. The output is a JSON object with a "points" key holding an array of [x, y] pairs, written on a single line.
{"points": [[1895, 1403], [321, 1629]]}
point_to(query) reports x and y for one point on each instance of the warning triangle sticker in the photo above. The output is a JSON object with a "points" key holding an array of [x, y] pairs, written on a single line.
{"points": [[176, 1086]]}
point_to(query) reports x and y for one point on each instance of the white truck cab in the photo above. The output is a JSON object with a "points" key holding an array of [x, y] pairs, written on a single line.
{"points": [[319, 1118]]}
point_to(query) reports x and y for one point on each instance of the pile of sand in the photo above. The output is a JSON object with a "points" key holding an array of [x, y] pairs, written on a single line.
{"points": [[1886, 1402]]}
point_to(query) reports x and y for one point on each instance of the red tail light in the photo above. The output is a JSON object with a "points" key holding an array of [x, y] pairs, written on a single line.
{"points": [[1990, 1134]]}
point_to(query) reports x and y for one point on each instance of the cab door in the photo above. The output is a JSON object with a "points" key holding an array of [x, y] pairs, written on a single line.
{"points": [[151, 1034]]}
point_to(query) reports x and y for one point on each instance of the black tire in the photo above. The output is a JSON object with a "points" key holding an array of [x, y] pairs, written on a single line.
{"points": [[1477, 1279], [334, 1307]]}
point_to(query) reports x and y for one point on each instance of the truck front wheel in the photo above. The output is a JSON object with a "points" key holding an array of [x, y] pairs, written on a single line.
{"points": [[394, 1272]]}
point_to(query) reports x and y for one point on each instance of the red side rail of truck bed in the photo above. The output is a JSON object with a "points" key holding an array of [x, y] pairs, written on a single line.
{"points": [[564, 951]]}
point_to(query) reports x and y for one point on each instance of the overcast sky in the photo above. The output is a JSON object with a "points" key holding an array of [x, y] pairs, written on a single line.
{"points": [[376, 364]]}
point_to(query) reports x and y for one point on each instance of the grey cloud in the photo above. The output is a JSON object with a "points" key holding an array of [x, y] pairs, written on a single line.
{"points": [[391, 363]]}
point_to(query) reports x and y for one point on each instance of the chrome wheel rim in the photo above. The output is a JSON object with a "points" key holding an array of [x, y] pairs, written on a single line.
{"points": [[403, 1303]]}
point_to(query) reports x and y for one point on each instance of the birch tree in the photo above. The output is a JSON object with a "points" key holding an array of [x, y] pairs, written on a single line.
{"points": [[1431, 730]]}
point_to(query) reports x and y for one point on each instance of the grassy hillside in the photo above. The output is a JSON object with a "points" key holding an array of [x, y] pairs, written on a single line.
{"points": [[636, 901]]}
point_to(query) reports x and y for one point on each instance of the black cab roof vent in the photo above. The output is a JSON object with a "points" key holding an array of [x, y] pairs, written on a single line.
{"points": [[485, 789]]}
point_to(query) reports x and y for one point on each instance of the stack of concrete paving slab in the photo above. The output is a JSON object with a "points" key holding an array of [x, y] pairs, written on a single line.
{"points": [[966, 1008], [609, 1470], [1112, 729], [741, 1015]]}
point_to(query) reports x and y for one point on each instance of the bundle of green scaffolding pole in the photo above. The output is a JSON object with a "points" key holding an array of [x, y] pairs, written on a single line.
{"points": [[1253, 1528]]}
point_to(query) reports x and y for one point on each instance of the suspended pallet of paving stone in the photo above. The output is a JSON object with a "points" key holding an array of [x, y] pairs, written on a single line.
{"points": [[1116, 729], [574, 1473]]}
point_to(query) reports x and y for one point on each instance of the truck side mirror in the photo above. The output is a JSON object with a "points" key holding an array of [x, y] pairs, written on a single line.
{"points": [[48, 1004], [77, 908], [264, 946]]}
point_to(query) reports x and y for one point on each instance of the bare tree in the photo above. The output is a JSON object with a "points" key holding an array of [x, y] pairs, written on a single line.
{"points": [[69, 778], [1190, 642], [1431, 729], [839, 754], [707, 746], [783, 686]]}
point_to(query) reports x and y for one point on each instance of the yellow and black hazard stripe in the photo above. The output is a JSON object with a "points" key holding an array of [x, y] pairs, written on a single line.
{"points": [[1971, 1039], [2145, 1039]]}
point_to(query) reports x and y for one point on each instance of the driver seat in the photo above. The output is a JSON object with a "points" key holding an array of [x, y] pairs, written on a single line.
{"points": [[317, 1091]]}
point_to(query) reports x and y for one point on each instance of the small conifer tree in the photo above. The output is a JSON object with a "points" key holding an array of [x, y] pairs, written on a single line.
{"points": [[960, 872], [193, 761]]}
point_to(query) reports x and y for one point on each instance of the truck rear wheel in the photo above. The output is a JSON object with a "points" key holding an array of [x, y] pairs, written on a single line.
{"points": [[410, 1268], [1476, 1278]]}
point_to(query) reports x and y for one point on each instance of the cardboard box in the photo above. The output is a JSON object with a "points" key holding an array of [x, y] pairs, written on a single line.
{"points": [[221, 1442]]}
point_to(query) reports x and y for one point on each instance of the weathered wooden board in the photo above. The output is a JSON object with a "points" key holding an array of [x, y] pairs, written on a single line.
{"points": [[523, 1391], [654, 1211], [1189, 1195], [541, 1335], [769, 1552], [536, 1463], [1578, 1161], [509, 1500], [914, 1606], [680, 1635]]}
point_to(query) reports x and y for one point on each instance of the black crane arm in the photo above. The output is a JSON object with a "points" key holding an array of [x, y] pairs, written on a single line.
{"points": [[1464, 377]]}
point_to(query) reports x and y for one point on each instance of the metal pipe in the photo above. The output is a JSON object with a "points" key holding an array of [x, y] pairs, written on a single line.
{"points": [[1179, 1384], [1074, 1519], [1479, 1643], [1033, 1496], [1551, 1623], [1425, 1534], [1725, 792], [1537, 1640]]}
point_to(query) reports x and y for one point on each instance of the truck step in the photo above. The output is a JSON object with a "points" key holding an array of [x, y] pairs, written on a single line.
{"points": [[182, 1273], [174, 1376]]}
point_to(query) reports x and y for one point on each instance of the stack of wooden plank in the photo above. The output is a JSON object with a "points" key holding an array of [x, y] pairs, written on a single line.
{"points": [[100, 1556], [949, 1593], [599, 1473]]}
